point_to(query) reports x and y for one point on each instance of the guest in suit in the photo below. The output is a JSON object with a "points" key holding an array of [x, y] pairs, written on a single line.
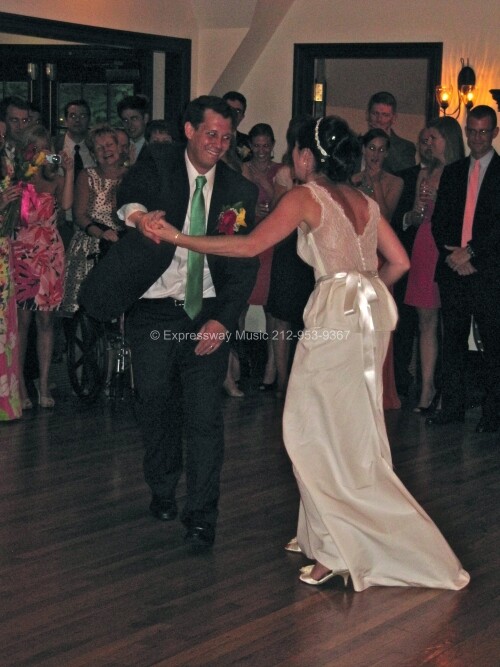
{"points": [[73, 142], [178, 331], [382, 114], [133, 112], [467, 233], [238, 102]]}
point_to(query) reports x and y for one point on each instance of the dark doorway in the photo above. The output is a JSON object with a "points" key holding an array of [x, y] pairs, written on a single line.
{"points": [[113, 61]]}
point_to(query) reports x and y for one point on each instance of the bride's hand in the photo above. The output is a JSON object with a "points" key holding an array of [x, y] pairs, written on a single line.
{"points": [[144, 222], [160, 230]]}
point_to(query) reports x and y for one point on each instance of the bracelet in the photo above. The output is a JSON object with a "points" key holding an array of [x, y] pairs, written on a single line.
{"points": [[470, 251], [176, 237]]}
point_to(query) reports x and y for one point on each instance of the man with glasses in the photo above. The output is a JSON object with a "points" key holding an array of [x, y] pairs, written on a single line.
{"points": [[238, 102], [466, 227], [77, 120], [73, 142]]}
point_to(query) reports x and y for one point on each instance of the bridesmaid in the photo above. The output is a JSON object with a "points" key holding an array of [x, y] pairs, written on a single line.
{"points": [[39, 259]]}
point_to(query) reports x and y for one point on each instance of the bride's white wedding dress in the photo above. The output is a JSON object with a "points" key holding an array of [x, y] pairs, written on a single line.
{"points": [[355, 513]]}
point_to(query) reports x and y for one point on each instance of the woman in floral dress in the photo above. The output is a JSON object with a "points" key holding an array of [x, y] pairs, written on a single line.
{"points": [[10, 405], [39, 258]]}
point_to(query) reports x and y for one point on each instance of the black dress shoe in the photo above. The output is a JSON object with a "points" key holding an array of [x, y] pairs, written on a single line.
{"points": [[487, 425], [165, 510], [200, 538], [443, 417]]}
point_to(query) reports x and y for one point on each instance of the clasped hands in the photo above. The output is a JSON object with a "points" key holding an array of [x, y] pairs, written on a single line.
{"points": [[154, 226], [459, 261]]}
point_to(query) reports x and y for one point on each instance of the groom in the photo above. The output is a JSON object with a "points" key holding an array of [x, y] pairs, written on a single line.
{"points": [[179, 333]]}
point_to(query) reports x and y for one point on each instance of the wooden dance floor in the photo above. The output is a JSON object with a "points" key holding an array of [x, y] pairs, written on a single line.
{"points": [[90, 579]]}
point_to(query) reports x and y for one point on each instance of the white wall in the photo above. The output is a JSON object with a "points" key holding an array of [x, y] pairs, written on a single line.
{"points": [[466, 28]]}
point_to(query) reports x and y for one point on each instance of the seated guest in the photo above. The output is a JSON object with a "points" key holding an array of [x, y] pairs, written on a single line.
{"points": [[94, 211]]}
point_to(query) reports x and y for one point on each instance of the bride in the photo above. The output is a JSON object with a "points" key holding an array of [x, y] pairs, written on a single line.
{"points": [[356, 518]]}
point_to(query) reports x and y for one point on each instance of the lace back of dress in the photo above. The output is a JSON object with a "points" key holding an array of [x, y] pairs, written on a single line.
{"points": [[334, 245]]}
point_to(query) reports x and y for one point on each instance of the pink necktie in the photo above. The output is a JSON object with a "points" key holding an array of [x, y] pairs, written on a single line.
{"points": [[470, 204]]}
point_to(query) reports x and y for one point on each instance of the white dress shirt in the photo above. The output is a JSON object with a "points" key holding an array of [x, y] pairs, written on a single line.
{"points": [[172, 283], [69, 148]]}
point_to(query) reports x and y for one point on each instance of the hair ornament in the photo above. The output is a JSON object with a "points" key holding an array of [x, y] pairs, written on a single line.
{"points": [[318, 144]]}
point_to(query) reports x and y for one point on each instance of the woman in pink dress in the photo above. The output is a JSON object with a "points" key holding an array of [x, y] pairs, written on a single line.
{"points": [[261, 170], [39, 259], [422, 292]]}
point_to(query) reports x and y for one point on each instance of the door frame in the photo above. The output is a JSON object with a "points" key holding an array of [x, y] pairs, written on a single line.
{"points": [[177, 52], [305, 56]]}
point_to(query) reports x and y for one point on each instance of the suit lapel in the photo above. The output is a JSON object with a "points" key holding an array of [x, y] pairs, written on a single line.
{"points": [[219, 198], [177, 196]]}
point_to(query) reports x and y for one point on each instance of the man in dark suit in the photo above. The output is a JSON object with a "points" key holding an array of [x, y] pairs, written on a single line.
{"points": [[238, 102], [180, 359], [382, 114], [133, 112], [466, 227]]}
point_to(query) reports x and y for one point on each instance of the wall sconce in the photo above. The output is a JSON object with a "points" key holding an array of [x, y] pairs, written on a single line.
{"points": [[495, 94], [50, 71], [466, 86], [318, 93], [32, 71]]}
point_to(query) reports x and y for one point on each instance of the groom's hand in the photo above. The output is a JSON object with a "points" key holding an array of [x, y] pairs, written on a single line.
{"points": [[212, 335], [144, 222]]}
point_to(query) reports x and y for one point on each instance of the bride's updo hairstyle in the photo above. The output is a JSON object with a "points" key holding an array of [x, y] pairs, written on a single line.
{"points": [[334, 146]]}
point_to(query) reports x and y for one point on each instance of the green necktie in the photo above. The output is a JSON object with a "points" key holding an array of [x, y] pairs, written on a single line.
{"points": [[194, 283]]}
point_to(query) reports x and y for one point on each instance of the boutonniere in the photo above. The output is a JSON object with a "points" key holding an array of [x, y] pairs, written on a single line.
{"points": [[231, 218]]}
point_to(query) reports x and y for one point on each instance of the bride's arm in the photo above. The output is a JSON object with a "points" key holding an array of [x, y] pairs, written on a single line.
{"points": [[396, 260], [295, 207]]}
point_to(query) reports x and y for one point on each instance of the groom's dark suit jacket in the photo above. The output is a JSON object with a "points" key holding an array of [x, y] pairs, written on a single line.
{"points": [[159, 181]]}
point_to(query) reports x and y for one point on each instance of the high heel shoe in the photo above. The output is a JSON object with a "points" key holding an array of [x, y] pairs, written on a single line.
{"points": [[305, 576], [293, 546], [267, 386], [44, 401], [431, 407], [232, 390]]}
